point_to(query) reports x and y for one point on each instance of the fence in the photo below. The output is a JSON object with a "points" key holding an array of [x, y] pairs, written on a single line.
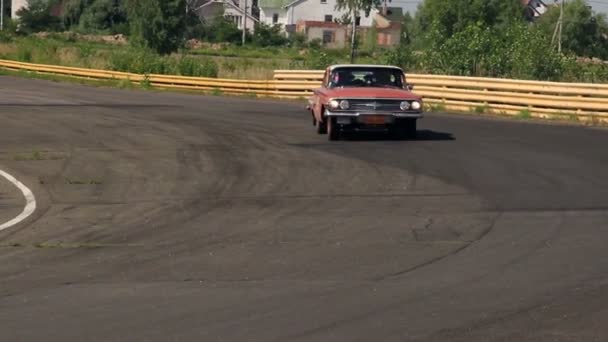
{"points": [[581, 101]]}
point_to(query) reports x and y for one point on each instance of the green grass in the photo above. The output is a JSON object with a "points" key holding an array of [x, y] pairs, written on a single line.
{"points": [[524, 114], [125, 84], [121, 84], [145, 83], [250, 52], [34, 155], [573, 117], [434, 108], [59, 78], [481, 109]]}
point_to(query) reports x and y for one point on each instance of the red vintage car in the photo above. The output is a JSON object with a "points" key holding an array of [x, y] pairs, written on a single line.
{"points": [[355, 98]]}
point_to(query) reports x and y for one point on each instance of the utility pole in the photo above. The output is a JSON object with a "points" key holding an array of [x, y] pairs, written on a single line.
{"points": [[353, 40], [561, 26], [557, 33], [2, 17], [244, 23]]}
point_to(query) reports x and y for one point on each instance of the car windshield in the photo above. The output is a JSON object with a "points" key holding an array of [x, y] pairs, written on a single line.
{"points": [[366, 77]]}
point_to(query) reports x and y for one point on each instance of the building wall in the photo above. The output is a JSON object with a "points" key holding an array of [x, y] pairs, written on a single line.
{"points": [[17, 5], [389, 36], [308, 10], [338, 34], [538, 6], [266, 16], [314, 10], [210, 11], [239, 14]]}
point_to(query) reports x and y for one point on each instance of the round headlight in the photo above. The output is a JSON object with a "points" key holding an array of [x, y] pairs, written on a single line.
{"points": [[416, 105], [344, 105], [404, 105], [334, 104]]}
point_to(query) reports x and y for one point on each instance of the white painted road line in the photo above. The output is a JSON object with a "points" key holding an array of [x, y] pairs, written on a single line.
{"points": [[30, 201]]}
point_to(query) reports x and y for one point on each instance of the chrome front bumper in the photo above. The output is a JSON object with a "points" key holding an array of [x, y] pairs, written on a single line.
{"points": [[396, 115]]}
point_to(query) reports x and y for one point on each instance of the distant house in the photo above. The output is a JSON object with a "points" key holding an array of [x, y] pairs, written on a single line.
{"points": [[287, 13], [388, 25], [234, 10], [331, 34], [319, 19], [13, 6], [16, 5]]}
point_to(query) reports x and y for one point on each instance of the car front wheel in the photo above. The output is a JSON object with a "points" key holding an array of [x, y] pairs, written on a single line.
{"points": [[410, 128], [321, 127], [333, 131]]}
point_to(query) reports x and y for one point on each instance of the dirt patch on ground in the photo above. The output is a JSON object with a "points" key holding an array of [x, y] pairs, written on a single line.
{"points": [[118, 39]]}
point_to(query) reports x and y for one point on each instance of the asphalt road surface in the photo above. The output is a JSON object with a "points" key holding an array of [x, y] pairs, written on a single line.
{"points": [[174, 217], [10, 199]]}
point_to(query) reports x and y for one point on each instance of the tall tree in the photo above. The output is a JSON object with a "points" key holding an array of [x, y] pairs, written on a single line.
{"points": [[585, 33], [157, 24], [454, 16], [36, 16], [102, 15], [355, 7]]}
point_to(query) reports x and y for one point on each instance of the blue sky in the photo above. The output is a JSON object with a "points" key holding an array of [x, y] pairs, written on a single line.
{"points": [[410, 5]]}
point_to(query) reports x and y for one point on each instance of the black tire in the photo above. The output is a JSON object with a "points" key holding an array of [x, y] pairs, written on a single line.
{"points": [[333, 133], [410, 128], [321, 127]]}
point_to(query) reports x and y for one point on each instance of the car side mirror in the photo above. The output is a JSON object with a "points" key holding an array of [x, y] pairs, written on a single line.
{"points": [[409, 86]]}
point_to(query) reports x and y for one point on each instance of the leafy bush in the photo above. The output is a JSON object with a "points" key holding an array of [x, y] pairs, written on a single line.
{"points": [[577, 71], [6, 36], [315, 44], [157, 24], [318, 59], [585, 33], [529, 55], [201, 67], [401, 56], [35, 50], [223, 30], [37, 17], [101, 15], [140, 61], [297, 40], [266, 35], [144, 61], [520, 51]]}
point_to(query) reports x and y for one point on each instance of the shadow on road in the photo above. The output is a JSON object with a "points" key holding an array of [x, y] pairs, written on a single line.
{"points": [[422, 135]]}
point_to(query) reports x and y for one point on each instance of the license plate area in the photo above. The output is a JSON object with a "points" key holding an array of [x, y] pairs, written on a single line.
{"points": [[343, 121], [374, 119]]}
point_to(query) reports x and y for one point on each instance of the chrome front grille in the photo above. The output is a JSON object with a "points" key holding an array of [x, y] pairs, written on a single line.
{"points": [[375, 105]]}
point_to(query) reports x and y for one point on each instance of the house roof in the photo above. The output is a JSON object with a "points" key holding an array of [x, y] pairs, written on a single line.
{"points": [[274, 3], [314, 23]]}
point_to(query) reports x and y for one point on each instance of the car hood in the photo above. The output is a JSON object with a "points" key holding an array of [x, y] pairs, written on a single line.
{"points": [[371, 93]]}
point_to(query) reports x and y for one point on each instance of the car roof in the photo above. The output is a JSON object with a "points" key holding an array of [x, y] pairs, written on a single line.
{"points": [[338, 66]]}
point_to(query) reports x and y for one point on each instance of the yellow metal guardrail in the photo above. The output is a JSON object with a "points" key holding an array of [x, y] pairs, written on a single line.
{"points": [[583, 101]]}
